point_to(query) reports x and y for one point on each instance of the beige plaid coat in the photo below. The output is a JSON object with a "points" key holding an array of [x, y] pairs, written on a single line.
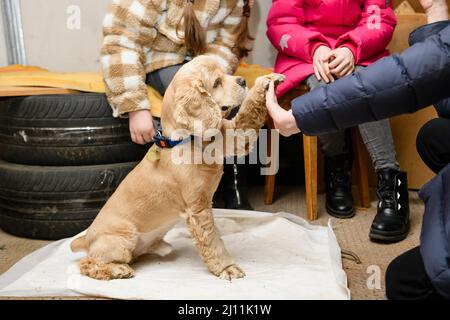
{"points": [[140, 36]]}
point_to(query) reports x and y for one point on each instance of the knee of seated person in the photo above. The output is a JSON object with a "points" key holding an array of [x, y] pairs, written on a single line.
{"points": [[393, 280], [431, 131]]}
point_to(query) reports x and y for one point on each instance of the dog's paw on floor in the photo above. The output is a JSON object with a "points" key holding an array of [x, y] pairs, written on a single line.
{"points": [[105, 271], [121, 271], [232, 272]]}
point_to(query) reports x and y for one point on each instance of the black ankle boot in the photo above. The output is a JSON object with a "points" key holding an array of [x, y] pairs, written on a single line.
{"points": [[391, 223], [339, 200], [234, 187]]}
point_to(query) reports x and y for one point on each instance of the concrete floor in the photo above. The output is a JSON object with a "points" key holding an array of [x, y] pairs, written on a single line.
{"points": [[352, 235]]}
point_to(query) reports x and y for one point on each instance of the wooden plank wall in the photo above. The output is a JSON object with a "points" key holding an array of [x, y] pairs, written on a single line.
{"points": [[415, 4]]}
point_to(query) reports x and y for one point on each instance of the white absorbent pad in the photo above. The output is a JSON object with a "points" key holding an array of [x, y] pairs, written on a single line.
{"points": [[282, 255]]}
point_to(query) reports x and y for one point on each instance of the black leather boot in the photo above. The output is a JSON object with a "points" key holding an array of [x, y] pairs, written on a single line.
{"points": [[234, 187], [391, 223], [339, 199]]}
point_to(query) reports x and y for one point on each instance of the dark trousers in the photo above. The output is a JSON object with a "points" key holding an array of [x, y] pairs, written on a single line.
{"points": [[406, 278], [433, 144], [160, 80]]}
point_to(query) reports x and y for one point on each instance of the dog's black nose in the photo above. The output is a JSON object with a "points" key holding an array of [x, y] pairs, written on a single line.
{"points": [[241, 82]]}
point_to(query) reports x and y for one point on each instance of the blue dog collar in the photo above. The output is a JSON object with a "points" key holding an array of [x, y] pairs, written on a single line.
{"points": [[166, 143]]}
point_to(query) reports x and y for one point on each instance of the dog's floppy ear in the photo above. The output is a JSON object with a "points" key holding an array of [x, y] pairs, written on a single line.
{"points": [[195, 106]]}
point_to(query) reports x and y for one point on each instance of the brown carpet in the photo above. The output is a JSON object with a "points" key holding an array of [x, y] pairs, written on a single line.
{"points": [[352, 235]]}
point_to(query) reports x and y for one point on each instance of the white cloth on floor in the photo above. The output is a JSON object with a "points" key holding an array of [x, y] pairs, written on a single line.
{"points": [[283, 256]]}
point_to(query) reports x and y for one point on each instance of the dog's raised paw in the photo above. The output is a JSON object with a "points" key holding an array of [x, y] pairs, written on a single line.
{"points": [[232, 272], [265, 81], [277, 78]]}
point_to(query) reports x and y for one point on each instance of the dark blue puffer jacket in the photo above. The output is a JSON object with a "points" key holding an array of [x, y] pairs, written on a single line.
{"points": [[435, 237], [395, 85]]}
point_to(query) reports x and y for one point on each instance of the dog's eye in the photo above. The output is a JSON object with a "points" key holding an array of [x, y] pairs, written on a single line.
{"points": [[217, 83]]}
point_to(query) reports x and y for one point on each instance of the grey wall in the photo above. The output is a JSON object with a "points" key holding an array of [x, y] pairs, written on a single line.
{"points": [[50, 44], [263, 53], [3, 56]]}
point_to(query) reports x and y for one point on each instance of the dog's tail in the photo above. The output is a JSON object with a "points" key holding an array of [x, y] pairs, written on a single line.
{"points": [[79, 244]]}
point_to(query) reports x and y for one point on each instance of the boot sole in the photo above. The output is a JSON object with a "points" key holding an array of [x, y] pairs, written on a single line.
{"points": [[388, 237], [341, 215]]}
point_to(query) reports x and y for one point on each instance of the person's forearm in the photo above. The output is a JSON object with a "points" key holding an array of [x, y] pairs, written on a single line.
{"points": [[438, 11]]}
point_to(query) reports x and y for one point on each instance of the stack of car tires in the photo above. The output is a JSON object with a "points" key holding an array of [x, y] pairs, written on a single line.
{"points": [[62, 156]]}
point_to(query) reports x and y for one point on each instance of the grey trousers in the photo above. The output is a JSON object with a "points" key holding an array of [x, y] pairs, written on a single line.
{"points": [[160, 80], [377, 137]]}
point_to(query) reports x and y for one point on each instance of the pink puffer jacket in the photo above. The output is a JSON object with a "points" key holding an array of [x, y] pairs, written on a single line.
{"points": [[297, 27]]}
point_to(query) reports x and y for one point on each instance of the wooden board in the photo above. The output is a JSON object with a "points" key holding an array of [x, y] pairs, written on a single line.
{"points": [[414, 3], [404, 130], [406, 24], [32, 91], [404, 8]]}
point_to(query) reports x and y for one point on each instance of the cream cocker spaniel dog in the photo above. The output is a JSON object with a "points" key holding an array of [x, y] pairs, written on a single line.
{"points": [[150, 200]]}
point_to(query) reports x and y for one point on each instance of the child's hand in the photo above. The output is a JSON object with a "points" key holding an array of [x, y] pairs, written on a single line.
{"points": [[141, 126], [341, 62], [321, 69]]}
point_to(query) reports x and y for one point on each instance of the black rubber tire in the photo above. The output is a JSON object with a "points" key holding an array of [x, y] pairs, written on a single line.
{"points": [[51, 203], [64, 130]]}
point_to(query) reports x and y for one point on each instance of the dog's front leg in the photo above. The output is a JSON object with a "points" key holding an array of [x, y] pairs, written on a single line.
{"points": [[210, 245], [242, 131]]}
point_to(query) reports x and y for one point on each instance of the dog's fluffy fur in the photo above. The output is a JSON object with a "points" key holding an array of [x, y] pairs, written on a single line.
{"points": [[150, 200]]}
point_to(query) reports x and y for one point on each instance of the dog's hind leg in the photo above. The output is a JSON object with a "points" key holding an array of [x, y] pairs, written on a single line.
{"points": [[109, 257], [161, 248], [152, 242], [210, 245]]}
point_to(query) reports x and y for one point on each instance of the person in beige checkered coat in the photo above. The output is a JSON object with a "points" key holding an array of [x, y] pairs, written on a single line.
{"points": [[147, 41]]}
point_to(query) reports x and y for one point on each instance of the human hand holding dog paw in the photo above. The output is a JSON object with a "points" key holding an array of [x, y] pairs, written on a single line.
{"points": [[262, 83], [141, 127], [283, 120], [274, 78]]}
